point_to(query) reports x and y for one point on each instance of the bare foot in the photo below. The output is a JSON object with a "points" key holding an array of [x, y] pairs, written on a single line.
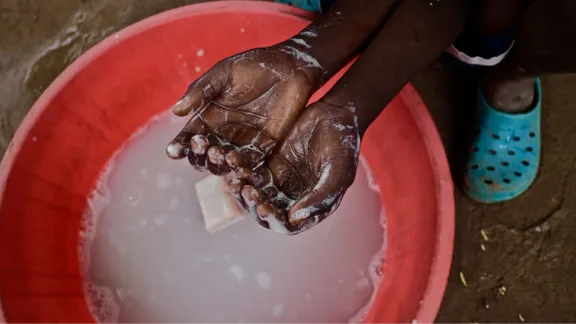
{"points": [[510, 95]]}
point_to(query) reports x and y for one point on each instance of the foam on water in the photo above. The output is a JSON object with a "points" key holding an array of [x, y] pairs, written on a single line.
{"points": [[148, 258]]}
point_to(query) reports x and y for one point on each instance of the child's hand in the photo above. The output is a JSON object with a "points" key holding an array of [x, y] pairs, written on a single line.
{"points": [[241, 109], [306, 177]]}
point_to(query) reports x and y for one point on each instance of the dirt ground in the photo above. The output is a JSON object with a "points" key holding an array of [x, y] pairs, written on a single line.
{"points": [[517, 258]]}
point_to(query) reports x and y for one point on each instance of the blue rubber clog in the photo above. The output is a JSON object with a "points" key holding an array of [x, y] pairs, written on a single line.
{"points": [[506, 153]]}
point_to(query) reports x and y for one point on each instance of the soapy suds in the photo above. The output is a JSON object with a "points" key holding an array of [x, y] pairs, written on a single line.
{"points": [[147, 257], [371, 180], [264, 280], [309, 33], [102, 303], [350, 142], [302, 56], [300, 42]]}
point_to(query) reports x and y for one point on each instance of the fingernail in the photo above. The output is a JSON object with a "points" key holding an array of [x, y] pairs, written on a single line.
{"points": [[232, 159], [175, 150], [250, 195], [182, 106], [216, 155], [264, 211], [300, 215], [243, 173], [199, 144]]}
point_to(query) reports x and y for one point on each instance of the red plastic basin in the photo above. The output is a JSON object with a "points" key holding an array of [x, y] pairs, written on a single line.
{"points": [[112, 90]]}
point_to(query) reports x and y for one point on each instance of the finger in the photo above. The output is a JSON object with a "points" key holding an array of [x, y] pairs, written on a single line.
{"points": [[235, 187], [313, 221], [251, 196], [197, 161], [199, 144], [314, 204], [217, 161], [244, 174], [260, 178], [202, 91], [216, 155], [197, 155], [272, 218], [265, 211], [254, 144], [335, 177], [177, 149], [192, 101], [206, 154], [237, 160]]}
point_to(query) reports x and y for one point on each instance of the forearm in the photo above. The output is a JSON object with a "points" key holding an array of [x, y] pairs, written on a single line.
{"points": [[334, 38], [415, 35]]}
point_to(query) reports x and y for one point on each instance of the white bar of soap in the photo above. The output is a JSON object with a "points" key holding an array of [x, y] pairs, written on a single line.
{"points": [[219, 208]]}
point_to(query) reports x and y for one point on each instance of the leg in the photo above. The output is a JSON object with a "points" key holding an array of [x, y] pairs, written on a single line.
{"points": [[545, 43], [505, 158]]}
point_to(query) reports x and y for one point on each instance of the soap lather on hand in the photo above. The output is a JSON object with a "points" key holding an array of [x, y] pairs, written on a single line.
{"points": [[291, 165]]}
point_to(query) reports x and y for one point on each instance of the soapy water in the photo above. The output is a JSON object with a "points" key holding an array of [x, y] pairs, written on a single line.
{"points": [[148, 258]]}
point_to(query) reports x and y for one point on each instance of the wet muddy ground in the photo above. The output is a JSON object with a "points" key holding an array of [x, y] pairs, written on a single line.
{"points": [[513, 262]]}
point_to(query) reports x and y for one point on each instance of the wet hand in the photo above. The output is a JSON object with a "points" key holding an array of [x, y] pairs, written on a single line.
{"points": [[305, 178], [242, 108]]}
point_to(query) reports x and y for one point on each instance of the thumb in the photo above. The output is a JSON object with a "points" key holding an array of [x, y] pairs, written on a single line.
{"points": [[325, 197], [207, 88]]}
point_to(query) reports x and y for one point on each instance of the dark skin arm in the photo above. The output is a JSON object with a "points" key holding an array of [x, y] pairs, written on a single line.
{"points": [[245, 105], [334, 38], [415, 35], [316, 163]]}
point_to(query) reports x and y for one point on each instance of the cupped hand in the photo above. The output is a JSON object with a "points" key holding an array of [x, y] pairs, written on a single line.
{"points": [[242, 108], [305, 178]]}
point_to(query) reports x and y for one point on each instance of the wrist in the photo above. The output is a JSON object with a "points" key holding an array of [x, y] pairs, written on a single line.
{"points": [[304, 60], [355, 107], [366, 105], [337, 102]]}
